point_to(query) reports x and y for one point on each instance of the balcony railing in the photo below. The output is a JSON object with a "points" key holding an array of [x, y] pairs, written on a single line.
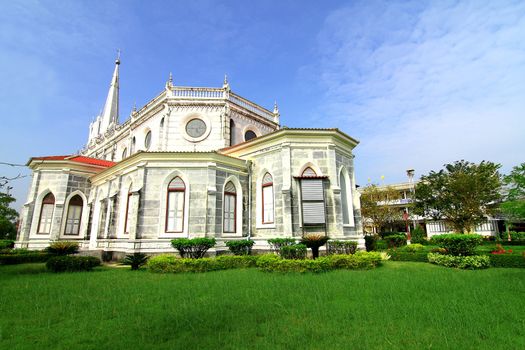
{"points": [[252, 107], [198, 92]]}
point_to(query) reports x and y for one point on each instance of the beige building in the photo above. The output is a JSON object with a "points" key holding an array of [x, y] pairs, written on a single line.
{"points": [[192, 162]]}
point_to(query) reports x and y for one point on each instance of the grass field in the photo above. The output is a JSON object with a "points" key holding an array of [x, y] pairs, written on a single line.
{"points": [[397, 306]]}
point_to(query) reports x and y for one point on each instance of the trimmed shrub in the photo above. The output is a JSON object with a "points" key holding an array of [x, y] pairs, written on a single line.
{"points": [[438, 250], [370, 242], [517, 236], [136, 260], [66, 263], [415, 247], [397, 240], [171, 264], [23, 258], [314, 241], [6, 244], [240, 247], [341, 247], [360, 260], [277, 243], [418, 235], [60, 248], [381, 245], [400, 255], [193, 248], [507, 261], [295, 251], [382, 235], [458, 244], [462, 262]]}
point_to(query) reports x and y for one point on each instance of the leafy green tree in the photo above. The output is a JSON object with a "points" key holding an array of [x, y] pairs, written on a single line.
{"points": [[462, 194], [376, 206], [8, 217], [513, 208]]}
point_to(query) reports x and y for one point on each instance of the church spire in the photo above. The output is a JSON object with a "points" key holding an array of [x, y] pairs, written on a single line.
{"points": [[109, 114]]}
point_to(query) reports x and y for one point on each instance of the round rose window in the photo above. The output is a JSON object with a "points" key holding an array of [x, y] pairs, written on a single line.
{"points": [[196, 128]]}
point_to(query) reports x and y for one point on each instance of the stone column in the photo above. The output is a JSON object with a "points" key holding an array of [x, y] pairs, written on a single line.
{"points": [[286, 159]]}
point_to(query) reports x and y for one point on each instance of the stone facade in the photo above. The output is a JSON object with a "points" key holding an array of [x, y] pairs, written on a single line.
{"points": [[123, 177]]}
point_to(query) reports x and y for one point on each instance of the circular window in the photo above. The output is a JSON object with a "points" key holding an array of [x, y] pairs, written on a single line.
{"points": [[249, 135], [147, 140], [196, 128]]}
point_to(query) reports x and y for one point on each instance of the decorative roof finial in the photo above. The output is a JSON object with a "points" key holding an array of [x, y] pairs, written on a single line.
{"points": [[117, 61], [275, 108], [134, 109], [226, 85], [169, 83]]}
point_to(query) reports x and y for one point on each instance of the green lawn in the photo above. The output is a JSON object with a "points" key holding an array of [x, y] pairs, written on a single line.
{"points": [[397, 306]]}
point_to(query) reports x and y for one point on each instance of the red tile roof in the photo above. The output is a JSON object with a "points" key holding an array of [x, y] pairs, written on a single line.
{"points": [[80, 159]]}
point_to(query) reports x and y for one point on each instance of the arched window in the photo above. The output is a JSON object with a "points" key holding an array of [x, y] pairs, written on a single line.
{"points": [[46, 214], [127, 220], [124, 153], [267, 199], [74, 215], [309, 172], [232, 132], [230, 208], [249, 135], [162, 123], [344, 198], [175, 205], [132, 149], [147, 140]]}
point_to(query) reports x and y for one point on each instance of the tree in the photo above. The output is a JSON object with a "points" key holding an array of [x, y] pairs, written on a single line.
{"points": [[376, 205], [462, 194], [8, 217], [513, 208]]}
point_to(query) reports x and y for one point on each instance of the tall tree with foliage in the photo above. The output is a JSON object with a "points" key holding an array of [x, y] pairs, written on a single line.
{"points": [[462, 194], [376, 205], [513, 208], [8, 217]]}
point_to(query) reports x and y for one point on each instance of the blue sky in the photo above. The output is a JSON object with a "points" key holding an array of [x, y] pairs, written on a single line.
{"points": [[419, 83]]}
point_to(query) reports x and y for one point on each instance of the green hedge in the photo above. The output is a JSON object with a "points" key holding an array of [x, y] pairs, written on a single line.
{"points": [[399, 255], [269, 262], [396, 240], [6, 244], [277, 243], [360, 260], [25, 258], [458, 243], [240, 247], [507, 260], [193, 248], [68, 263], [341, 247], [462, 262], [170, 263], [294, 251], [517, 236]]}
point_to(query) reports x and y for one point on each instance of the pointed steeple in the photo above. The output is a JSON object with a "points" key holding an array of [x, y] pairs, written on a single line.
{"points": [[276, 114], [109, 114]]}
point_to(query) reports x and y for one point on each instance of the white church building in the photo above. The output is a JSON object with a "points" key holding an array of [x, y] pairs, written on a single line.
{"points": [[192, 162]]}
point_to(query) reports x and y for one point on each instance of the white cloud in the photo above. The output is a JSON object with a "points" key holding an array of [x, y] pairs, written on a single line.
{"points": [[425, 85]]}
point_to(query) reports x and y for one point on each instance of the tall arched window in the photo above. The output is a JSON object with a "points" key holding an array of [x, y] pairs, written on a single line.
{"points": [[232, 132], [147, 140], [132, 149], [46, 214], [230, 208], [267, 199], [74, 215], [175, 205], [344, 198], [124, 153], [127, 220], [309, 172]]}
